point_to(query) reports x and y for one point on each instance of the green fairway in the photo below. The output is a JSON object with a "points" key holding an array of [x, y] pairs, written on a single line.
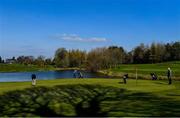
{"points": [[144, 70], [141, 98], [94, 97], [142, 85]]}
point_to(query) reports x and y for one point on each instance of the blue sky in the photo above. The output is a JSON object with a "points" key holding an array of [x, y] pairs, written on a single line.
{"points": [[39, 27]]}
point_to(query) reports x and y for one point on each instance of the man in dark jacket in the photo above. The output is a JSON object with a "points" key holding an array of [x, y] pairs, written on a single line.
{"points": [[125, 77], [33, 76], [80, 74], [74, 73], [169, 75]]}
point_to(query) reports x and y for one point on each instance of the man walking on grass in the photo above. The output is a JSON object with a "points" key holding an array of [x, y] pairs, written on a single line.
{"points": [[124, 78], [169, 75], [33, 76]]}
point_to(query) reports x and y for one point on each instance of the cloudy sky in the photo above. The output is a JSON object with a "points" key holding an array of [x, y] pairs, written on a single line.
{"points": [[39, 27]]}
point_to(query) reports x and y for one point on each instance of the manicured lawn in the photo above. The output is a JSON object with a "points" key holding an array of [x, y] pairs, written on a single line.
{"points": [[93, 97], [141, 86], [145, 69], [90, 97]]}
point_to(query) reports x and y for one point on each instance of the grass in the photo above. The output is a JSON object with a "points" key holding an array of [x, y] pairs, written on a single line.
{"points": [[93, 97], [23, 68], [144, 70], [90, 97], [151, 86]]}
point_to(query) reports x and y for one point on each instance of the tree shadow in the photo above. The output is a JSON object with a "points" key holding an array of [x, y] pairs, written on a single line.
{"points": [[85, 100]]}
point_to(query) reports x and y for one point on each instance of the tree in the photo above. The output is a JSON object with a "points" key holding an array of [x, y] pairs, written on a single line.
{"points": [[25, 60], [138, 54], [160, 52], [97, 59], [168, 49], [0, 59], [112, 56], [40, 61], [176, 51], [103, 58], [20, 59], [13, 58], [76, 58], [116, 55], [61, 58], [128, 58], [153, 51], [48, 61]]}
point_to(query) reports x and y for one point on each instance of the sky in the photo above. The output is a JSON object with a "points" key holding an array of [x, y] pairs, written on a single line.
{"points": [[39, 27]]}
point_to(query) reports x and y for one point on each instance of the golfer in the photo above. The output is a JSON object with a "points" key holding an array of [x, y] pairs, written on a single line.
{"points": [[33, 76], [169, 75]]}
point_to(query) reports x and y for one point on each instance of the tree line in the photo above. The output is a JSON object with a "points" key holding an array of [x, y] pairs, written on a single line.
{"points": [[28, 60], [112, 56], [106, 57]]}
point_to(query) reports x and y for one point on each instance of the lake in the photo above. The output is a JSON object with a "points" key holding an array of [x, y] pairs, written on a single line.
{"points": [[43, 75]]}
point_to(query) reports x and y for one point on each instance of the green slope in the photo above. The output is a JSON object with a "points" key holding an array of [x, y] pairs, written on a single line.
{"points": [[90, 97]]}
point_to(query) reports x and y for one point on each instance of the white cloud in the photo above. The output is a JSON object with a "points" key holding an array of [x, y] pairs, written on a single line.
{"points": [[76, 38]]}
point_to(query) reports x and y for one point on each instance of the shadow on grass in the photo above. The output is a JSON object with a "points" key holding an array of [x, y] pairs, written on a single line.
{"points": [[85, 100], [121, 82], [163, 83]]}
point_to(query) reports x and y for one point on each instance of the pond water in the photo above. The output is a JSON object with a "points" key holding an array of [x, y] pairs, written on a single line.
{"points": [[43, 75]]}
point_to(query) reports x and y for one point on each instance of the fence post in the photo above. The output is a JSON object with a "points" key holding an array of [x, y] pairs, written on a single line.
{"points": [[136, 76]]}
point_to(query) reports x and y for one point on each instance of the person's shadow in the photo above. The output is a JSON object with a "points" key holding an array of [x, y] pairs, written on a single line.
{"points": [[121, 82]]}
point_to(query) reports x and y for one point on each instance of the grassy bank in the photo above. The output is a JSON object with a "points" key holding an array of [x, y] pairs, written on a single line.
{"points": [[144, 70], [23, 68], [90, 97], [28, 68]]}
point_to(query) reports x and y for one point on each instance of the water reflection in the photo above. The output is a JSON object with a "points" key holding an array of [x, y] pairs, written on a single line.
{"points": [[43, 75]]}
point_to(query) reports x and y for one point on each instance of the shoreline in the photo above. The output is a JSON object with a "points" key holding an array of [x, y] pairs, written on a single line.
{"points": [[111, 74]]}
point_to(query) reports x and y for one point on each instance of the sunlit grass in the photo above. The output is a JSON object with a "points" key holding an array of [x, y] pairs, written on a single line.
{"points": [[90, 97], [139, 85], [144, 70]]}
